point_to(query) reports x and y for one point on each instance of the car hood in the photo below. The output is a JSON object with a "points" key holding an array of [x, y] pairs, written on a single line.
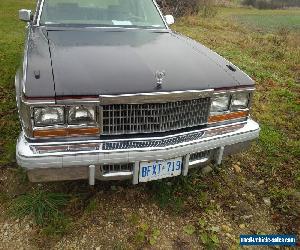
{"points": [[125, 61]]}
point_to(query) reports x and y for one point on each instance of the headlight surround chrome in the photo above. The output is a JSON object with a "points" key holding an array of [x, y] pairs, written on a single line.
{"points": [[239, 101], [48, 116], [230, 105], [220, 103], [48, 120], [81, 115]]}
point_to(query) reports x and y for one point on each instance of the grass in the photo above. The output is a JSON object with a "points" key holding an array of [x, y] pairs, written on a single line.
{"points": [[271, 22], [11, 48], [165, 194], [271, 57], [145, 234], [45, 209], [41, 205], [263, 44], [171, 194], [271, 19]]}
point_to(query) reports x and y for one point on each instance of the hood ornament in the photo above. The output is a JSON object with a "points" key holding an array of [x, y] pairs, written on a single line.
{"points": [[160, 75]]}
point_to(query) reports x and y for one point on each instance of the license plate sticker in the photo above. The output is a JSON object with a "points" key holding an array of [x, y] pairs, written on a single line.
{"points": [[156, 170]]}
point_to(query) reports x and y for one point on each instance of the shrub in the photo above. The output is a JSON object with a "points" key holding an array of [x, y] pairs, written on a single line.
{"points": [[208, 8], [180, 7]]}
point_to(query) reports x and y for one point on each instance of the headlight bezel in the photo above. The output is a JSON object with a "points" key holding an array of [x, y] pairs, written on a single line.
{"points": [[62, 130], [66, 121], [233, 111]]}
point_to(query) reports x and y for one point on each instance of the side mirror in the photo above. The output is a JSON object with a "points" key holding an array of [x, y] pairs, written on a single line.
{"points": [[25, 15], [169, 19]]}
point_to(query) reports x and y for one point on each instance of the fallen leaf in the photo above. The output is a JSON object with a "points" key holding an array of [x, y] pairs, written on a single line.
{"points": [[237, 168], [226, 228]]}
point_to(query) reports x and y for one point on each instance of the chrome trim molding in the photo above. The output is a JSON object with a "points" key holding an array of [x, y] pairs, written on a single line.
{"points": [[155, 97], [197, 162], [160, 13], [40, 12], [117, 174], [78, 101], [138, 98], [37, 102], [230, 91]]}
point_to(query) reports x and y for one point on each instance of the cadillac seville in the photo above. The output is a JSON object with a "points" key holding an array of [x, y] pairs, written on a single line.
{"points": [[107, 91]]}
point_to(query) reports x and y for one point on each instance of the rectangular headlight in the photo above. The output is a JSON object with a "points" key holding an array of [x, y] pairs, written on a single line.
{"points": [[220, 103], [48, 116], [82, 115], [239, 101]]}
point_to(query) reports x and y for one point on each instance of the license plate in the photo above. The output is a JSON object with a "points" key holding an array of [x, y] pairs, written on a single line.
{"points": [[156, 170]]}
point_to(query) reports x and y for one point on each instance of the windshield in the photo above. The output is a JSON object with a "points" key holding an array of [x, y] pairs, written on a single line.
{"points": [[132, 13]]}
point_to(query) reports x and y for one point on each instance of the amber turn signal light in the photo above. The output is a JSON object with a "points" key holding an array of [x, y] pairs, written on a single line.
{"points": [[229, 116], [66, 132], [83, 131]]}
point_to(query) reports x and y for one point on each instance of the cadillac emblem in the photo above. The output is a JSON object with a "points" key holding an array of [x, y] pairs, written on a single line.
{"points": [[159, 78]]}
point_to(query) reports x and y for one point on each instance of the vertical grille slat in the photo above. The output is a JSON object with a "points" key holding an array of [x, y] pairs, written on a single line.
{"points": [[106, 169], [154, 117]]}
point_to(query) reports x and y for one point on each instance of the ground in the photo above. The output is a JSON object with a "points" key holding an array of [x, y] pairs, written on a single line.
{"points": [[255, 192]]}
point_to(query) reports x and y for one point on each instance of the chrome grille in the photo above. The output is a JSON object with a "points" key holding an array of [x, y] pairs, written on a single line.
{"points": [[153, 143], [199, 155], [154, 117], [106, 169]]}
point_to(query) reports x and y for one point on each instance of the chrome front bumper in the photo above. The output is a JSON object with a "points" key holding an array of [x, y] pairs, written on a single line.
{"points": [[55, 161]]}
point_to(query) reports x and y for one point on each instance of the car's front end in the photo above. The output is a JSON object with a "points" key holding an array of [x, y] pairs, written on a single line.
{"points": [[194, 127], [114, 103]]}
